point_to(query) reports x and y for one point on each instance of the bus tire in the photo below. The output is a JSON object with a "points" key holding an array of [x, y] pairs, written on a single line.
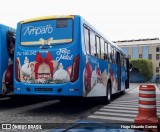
{"points": [[108, 93], [122, 92]]}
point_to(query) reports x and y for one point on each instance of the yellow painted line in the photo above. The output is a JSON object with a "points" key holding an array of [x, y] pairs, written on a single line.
{"points": [[47, 18], [40, 42]]}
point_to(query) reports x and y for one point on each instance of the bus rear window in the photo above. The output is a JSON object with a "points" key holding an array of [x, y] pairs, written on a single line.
{"points": [[49, 32], [62, 23]]}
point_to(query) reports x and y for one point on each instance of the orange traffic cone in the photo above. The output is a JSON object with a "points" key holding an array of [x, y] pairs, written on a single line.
{"points": [[147, 112]]}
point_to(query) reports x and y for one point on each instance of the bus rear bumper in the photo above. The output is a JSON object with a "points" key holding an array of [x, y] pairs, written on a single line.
{"points": [[66, 89]]}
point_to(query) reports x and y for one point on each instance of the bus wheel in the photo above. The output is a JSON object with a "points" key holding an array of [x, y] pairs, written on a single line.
{"points": [[122, 92], [108, 94]]}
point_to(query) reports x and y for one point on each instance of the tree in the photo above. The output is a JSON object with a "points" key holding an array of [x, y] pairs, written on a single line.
{"points": [[144, 66]]}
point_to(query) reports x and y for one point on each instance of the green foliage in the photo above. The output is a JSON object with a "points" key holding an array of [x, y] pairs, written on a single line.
{"points": [[144, 66]]}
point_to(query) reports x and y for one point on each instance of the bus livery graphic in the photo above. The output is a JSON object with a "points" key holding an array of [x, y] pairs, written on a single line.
{"points": [[66, 56], [7, 42]]}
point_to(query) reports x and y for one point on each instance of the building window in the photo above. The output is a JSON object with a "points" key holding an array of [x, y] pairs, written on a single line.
{"points": [[150, 57], [129, 56], [145, 52], [135, 53], [158, 78], [157, 56], [140, 55], [157, 69], [157, 49], [125, 49]]}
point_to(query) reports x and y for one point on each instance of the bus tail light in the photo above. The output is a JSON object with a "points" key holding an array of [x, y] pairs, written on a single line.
{"points": [[17, 70], [74, 89], [75, 69]]}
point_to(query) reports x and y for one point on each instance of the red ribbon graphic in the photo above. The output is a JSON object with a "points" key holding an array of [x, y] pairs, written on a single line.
{"points": [[39, 60]]}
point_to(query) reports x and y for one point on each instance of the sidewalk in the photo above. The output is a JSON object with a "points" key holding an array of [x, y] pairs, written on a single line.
{"points": [[135, 85], [132, 86], [158, 85]]}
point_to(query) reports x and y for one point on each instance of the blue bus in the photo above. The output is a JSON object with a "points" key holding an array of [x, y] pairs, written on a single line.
{"points": [[65, 56], [7, 43]]}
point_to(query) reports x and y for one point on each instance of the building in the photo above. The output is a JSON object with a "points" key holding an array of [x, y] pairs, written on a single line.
{"points": [[144, 48]]}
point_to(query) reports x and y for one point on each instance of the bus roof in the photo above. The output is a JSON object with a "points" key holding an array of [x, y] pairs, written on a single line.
{"points": [[47, 18]]}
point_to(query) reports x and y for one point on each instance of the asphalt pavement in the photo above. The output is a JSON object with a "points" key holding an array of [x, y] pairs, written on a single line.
{"points": [[117, 116]]}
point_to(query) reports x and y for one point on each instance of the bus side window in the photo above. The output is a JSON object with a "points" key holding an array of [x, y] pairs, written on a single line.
{"points": [[122, 60], [92, 43], [106, 51], [112, 54], [125, 62], [109, 53], [86, 40], [102, 49], [115, 55], [10, 43], [98, 47]]}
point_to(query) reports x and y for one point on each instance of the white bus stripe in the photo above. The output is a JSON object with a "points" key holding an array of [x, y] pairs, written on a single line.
{"points": [[116, 114], [119, 111], [111, 118]]}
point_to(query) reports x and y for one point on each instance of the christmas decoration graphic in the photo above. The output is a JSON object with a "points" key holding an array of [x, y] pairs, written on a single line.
{"points": [[93, 79], [61, 75], [7, 80]]}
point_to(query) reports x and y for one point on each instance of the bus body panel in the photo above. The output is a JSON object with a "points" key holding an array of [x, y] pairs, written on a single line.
{"points": [[97, 73], [6, 61], [93, 73], [61, 58]]}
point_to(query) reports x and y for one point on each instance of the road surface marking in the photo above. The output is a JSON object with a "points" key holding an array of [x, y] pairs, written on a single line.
{"points": [[125, 108], [112, 118], [119, 111], [116, 114]]}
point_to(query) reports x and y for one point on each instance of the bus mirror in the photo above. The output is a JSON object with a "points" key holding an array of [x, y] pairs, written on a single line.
{"points": [[130, 66]]}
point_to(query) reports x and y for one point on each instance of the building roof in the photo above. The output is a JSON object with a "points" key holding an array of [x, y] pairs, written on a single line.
{"points": [[148, 41]]}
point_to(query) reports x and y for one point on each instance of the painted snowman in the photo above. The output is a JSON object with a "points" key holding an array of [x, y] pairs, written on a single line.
{"points": [[26, 69], [61, 75]]}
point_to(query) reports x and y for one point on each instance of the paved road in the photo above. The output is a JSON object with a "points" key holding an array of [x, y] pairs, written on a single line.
{"points": [[123, 109], [35, 110]]}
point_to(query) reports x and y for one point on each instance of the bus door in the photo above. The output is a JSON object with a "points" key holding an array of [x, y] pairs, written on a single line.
{"points": [[127, 72], [118, 71]]}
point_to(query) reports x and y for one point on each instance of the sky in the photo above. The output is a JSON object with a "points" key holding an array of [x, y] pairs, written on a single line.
{"points": [[116, 19]]}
